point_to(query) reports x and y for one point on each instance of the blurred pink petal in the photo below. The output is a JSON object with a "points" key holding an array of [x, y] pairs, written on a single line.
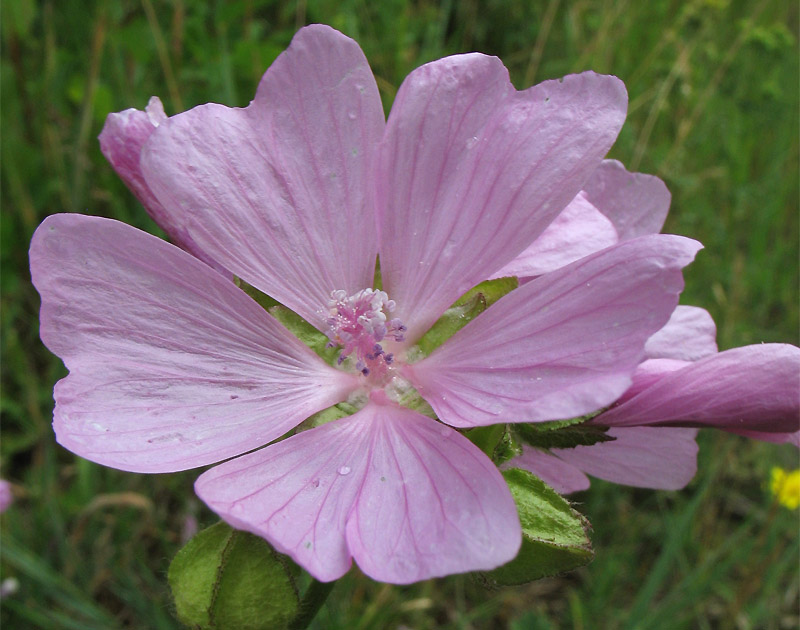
{"points": [[646, 457], [278, 192], [562, 345], [753, 388], [777, 438], [580, 230], [171, 365], [6, 496], [407, 497], [472, 171]]}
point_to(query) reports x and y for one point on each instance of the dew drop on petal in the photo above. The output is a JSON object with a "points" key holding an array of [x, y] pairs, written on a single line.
{"points": [[344, 470]]}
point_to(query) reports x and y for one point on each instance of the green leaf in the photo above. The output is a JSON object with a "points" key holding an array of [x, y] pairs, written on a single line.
{"points": [[224, 578], [554, 536], [562, 437], [465, 309]]}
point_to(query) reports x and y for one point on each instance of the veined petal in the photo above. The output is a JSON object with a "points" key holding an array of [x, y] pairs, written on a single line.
{"points": [[171, 365], [647, 373], [580, 230], [431, 503], [471, 172], [689, 335], [408, 498], [561, 346], [278, 192], [562, 477], [121, 141], [636, 203], [753, 388], [645, 457]]}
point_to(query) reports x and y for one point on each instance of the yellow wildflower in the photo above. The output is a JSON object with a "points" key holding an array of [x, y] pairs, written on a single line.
{"points": [[785, 486]]}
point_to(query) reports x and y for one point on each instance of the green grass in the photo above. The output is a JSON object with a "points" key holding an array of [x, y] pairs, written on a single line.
{"points": [[713, 111]]}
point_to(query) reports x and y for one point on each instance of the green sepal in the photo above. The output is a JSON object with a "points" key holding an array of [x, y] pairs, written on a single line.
{"points": [[329, 414], [463, 311], [562, 437], [305, 332], [264, 301], [224, 578], [496, 440], [554, 536]]}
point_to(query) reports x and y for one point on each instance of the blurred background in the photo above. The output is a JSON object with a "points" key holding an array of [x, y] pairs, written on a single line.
{"points": [[713, 111]]}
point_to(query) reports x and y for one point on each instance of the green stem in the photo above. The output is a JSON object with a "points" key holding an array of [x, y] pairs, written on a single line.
{"points": [[315, 595]]}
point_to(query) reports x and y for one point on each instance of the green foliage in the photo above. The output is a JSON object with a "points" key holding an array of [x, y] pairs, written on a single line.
{"points": [[225, 578], [561, 437], [554, 535]]}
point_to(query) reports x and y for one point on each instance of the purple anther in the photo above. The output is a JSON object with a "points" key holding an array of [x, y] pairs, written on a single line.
{"points": [[388, 358]]}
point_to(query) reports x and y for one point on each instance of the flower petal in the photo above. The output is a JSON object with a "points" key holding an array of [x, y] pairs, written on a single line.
{"points": [[636, 203], [645, 457], [171, 365], [580, 230], [278, 192], [753, 388], [471, 172], [296, 493], [431, 503], [776, 438], [689, 335], [647, 373], [121, 141], [408, 498], [562, 477], [561, 346]]}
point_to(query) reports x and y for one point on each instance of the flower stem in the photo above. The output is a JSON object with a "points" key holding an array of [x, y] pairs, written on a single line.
{"points": [[315, 595]]}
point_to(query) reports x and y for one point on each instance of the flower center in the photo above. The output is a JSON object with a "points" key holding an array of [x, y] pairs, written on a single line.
{"points": [[359, 323]]}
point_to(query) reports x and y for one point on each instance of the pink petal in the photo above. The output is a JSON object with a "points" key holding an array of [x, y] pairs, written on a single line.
{"points": [[171, 365], [408, 498], [562, 477], [636, 203], [121, 141], [754, 388], [561, 346], [431, 504], [471, 172], [646, 457], [6, 495], [278, 192], [580, 230], [776, 438], [689, 335], [646, 375]]}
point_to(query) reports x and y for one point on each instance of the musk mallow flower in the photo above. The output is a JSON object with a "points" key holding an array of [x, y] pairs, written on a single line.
{"points": [[172, 366]]}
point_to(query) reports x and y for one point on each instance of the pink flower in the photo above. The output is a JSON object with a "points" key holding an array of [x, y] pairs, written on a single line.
{"points": [[6, 495], [172, 366], [684, 384]]}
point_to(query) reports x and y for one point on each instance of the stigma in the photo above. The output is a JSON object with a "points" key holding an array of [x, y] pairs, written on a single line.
{"points": [[359, 323]]}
